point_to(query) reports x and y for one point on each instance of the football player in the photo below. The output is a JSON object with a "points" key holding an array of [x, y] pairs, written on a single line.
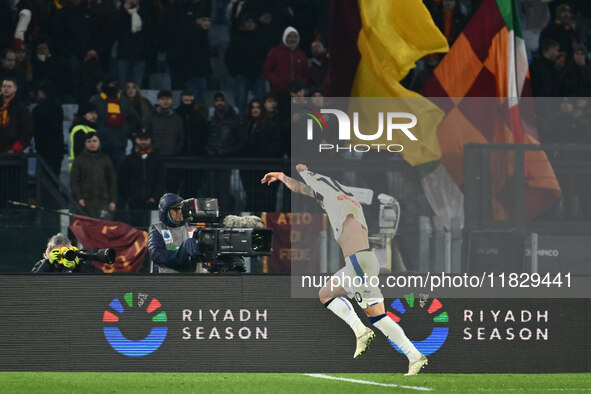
{"points": [[358, 278]]}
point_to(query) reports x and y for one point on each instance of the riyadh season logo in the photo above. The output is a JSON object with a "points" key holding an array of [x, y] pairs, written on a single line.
{"points": [[434, 314], [388, 122], [136, 317]]}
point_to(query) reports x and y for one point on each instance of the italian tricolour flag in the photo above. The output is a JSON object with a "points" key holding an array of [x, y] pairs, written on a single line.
{"points": [[488, 59]]}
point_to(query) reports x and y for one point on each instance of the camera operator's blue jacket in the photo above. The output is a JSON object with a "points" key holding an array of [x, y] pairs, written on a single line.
{"points": [[170, 245]]}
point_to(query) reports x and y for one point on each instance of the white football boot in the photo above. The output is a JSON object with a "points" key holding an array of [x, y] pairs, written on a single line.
{"points": [[363, 342], [415, 367]]}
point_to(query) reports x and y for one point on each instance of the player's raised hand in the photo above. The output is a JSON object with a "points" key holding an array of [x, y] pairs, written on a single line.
{"points": [[301, 167], [271, 177]]}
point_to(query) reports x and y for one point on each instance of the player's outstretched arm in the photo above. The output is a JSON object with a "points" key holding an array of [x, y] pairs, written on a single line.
{"points": [[292, 184], [297, 186]]}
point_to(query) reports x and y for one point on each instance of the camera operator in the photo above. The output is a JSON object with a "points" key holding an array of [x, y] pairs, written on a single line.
{"points": [[170, 244], [54, 260]]}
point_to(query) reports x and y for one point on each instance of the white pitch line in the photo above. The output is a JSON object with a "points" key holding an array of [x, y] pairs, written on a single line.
{"points": [[322, 376], [523, 389]]}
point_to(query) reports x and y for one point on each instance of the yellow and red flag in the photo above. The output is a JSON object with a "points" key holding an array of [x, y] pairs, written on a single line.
{"points": [[489, 59]]}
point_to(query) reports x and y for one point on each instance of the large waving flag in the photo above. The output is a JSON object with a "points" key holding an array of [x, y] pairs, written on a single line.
{"points": [[489, 60], [130, 244], [393, 36]]}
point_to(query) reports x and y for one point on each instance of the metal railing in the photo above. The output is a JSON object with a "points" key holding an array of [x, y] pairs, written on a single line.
{"points": [[19, 181], [199, 177], [13, 177], [48, 185], [513, 193], [507, 188], [217, 177]]}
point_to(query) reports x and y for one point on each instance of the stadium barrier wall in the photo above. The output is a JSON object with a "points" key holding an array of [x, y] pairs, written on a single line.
{"points": [[251, 324]]}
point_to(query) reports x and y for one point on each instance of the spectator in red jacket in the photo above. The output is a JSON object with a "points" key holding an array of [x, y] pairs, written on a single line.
{"points": [[285, 63]]}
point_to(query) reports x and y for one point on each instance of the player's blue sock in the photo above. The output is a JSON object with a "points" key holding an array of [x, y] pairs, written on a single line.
{"points": [[396, 334], [342, 308]]}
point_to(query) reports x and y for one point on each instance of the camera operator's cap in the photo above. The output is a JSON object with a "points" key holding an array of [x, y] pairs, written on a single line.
{"points": [[219, 95], [164, 93]]}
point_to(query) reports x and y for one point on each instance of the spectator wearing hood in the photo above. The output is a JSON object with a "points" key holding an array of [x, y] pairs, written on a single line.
{"points": [[285, 63], [170, 243]]}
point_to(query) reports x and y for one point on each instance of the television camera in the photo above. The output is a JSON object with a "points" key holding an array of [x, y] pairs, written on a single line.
{"points": [[224, 244]]}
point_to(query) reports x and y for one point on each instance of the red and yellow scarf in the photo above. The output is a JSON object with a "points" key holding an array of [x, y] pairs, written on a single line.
{"points": [[114, 116], [4, 118]]}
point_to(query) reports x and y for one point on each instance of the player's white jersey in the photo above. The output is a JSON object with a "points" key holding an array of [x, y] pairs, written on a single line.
{"points": [[336, 199]]}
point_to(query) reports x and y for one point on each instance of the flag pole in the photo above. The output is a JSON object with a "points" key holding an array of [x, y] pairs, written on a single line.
{"points": [[36, 207]]}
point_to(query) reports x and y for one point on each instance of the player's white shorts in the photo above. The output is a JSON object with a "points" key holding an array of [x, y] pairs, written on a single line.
{"points": [[356, 278]]}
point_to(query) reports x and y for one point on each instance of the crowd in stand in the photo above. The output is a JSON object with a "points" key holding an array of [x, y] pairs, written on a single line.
{"points": [[100, 54], [556, 34]]}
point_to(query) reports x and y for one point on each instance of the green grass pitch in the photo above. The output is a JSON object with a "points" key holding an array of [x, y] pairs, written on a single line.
{"points": [[95, 382]]}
